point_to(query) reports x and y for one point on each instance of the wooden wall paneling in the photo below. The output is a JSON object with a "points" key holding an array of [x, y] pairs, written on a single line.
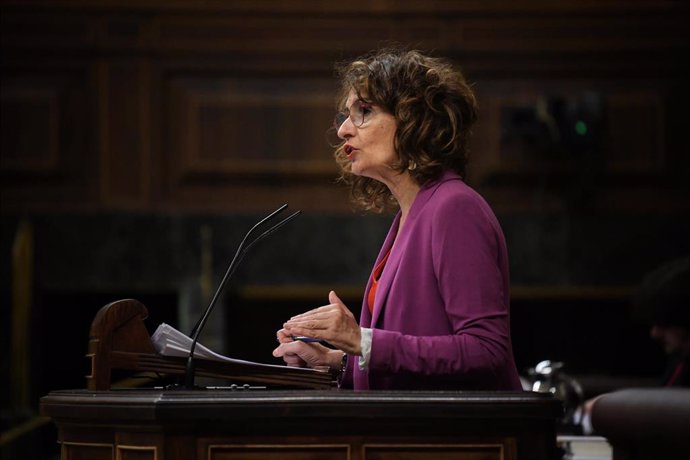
{"points": [[577, 31], [134, 153], [252, 126], [29, 29], [276, 32], [124, 30], [636, 123], [30, 128], [523, 169], [523, 132], [229, 135], [48, 135], [125, 132]]}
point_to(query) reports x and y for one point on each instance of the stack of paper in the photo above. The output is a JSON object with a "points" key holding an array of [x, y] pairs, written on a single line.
{"points": [[168, 341]]}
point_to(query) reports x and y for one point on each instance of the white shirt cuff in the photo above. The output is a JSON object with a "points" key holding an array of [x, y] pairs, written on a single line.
{"points": [[365, 344]]}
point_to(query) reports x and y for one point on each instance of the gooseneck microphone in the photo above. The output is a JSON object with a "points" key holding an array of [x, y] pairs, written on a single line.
{"points": [[242, 249]]}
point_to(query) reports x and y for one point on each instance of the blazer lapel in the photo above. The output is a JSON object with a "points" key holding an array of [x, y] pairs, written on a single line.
{"points": [[403, 239], [384, 284]]}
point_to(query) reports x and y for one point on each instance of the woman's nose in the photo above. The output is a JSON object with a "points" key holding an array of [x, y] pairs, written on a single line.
{"points": [[346, 130]]}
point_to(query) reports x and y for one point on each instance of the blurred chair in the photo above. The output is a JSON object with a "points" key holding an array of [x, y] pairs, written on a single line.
{"points": [[645, 423]]}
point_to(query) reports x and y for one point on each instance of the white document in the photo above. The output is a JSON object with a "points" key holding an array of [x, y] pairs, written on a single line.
{"points": [[168, 341]]}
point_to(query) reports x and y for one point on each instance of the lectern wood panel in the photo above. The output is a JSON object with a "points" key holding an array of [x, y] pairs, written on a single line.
{"points": [[279, 452], [85, 451], [136, 453], [492, 451], [308, 424]]}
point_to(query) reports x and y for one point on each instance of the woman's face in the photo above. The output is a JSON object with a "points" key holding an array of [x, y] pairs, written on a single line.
{"points": [[369, 134]]}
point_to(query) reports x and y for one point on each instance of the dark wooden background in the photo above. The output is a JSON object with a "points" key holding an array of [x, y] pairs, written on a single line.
{"points": [[182, 105], [140, 139]]}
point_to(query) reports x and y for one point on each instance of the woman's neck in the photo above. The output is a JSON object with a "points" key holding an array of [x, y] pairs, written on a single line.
{"points": [[404, 190]]}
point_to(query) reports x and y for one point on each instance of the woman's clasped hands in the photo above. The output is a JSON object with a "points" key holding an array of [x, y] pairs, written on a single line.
{"points": [[332, 323]]}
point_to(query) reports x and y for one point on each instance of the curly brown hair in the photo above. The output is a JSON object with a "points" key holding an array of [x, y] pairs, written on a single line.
{"points": [[434, 108]]}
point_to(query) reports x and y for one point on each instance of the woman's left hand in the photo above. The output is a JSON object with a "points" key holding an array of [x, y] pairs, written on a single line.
{"points": [[333, 323]]}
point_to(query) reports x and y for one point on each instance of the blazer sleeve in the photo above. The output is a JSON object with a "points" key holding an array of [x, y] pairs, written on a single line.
{"points": [[468, 259]]}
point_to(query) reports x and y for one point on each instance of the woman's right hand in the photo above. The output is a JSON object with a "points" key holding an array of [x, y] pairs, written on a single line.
{"points": [[296, 353]]}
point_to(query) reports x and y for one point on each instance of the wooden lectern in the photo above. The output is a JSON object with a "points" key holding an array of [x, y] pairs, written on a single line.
{"points": [[119, 340], [155, 424]]}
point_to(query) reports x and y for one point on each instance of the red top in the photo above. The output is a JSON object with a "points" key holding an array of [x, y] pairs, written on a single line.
{"points": [[375, 275]]}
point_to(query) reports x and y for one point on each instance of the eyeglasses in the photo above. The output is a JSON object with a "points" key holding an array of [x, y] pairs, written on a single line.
{"points": [[359, 113]]}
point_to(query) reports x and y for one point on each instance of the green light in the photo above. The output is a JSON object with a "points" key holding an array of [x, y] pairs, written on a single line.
{"points": [[581, 127]]}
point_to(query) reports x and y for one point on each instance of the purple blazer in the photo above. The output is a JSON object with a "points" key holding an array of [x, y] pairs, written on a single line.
{"points": [[441, 319]]}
